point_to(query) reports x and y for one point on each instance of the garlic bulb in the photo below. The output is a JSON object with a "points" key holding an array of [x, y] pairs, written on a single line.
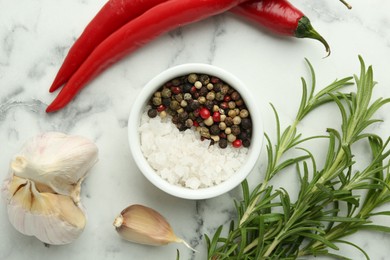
{"points": [[56, 160], [143, 225], [43, 190]]}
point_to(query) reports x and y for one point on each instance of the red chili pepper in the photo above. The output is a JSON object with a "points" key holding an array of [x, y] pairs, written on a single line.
{"points": [[281, 17], [111, 16], [136, 33]]}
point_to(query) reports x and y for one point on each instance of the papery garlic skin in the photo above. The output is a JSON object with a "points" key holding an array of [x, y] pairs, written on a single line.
{"points": [[57, 160], [43, 190], [144, 225]]}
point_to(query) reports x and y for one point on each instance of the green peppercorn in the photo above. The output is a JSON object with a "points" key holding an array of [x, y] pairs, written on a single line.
{"points": [[174, 105], [171, 112], [187, 96], [192, 78], [244, 113], [157, 94], [219, 96], [166, 93], [176, 82], [210, 95], [179, 97], [152, 113], [156, 101]]}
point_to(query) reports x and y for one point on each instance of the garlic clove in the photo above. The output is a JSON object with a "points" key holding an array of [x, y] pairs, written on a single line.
{"points": [[52, 218], [56, 160], [143, 225]]}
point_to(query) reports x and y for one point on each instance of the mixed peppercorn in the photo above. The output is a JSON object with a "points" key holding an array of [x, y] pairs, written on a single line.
{"points": [[214, 108]]}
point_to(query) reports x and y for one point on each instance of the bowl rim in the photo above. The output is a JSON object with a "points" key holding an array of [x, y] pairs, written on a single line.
{"points": [[134, 133]]}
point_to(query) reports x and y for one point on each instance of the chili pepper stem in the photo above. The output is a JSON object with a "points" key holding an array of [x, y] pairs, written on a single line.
{"points": [[346, 4], [306, 30]]}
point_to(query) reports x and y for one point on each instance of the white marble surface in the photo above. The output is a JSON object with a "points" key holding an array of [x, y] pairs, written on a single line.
{"points": [[36, 35]]}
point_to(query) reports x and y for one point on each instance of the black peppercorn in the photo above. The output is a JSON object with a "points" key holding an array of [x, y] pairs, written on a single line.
{"points": [[183, 116], [175, 119], [166, 102], [214, 130], [246, 123], [235, 96], [152, 113], [187, 87], [223, 143], [246, 143], [203, 91], [217, 87], [229, 121], [209, 104], [195, 105], [235, 130]]}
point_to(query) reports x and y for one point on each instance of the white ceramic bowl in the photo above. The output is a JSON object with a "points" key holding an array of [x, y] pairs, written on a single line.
{"points": [[134, 135]]}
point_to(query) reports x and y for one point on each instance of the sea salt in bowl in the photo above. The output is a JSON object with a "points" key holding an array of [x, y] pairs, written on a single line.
{"points": [[246, 160]]}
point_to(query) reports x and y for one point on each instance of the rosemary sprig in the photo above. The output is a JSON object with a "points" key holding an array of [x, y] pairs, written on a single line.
{"points": [[271, 226]]}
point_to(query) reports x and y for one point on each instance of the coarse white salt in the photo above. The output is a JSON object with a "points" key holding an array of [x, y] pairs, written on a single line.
{"points": [[182, 159]]}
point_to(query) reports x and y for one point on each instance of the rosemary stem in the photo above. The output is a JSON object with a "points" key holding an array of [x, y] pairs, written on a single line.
{"points": [[253, 204]]}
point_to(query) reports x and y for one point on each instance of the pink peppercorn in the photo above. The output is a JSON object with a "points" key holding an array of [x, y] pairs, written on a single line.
{"points": [[237, 143], [216, 116], [204, 113], [176, 90], [160, 108]]}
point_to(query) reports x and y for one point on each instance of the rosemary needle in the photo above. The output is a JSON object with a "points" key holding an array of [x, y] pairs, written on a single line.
{"points": [[328, 207]]}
